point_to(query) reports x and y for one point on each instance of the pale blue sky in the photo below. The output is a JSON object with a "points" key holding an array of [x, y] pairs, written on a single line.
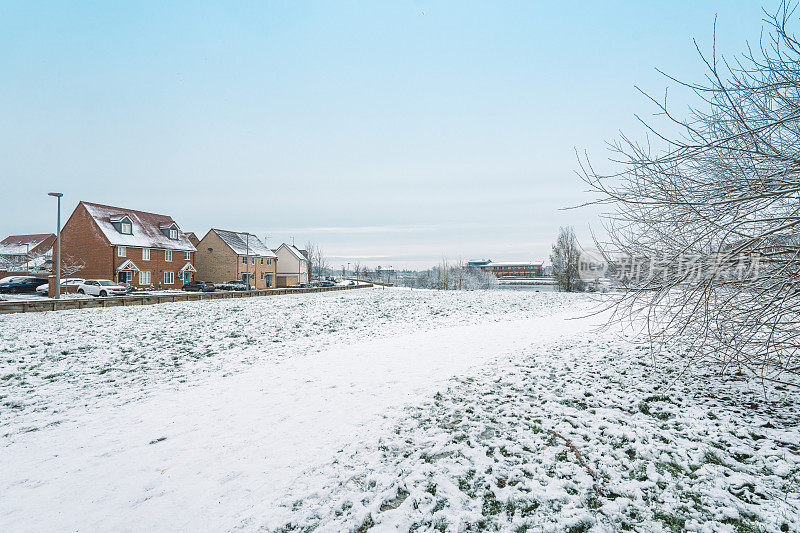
{"points": [[391, 132]]}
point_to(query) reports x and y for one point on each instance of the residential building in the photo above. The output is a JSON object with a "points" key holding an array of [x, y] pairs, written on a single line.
{"points": [[19, 250], [293, 266], [510, 269], [146, 250], [224, 255]]}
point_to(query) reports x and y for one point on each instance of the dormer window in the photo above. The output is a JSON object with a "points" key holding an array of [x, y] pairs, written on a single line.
{"points": [[122, 224], [170, 231]]}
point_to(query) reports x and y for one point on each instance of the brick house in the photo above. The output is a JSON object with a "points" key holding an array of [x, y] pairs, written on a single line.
{"points": [[224, 255], [517, 269], [142, 249], [293, 266], [17, 250]]}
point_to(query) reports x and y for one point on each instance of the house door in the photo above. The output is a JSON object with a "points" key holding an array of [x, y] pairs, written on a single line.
{"points": [[122, 277], [187, 277]]}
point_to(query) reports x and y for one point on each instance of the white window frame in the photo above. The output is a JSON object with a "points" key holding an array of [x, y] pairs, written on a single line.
{"points": [[169, 277], [128, 276], [187, 256], [145, 254], [173, 234], [122, 251], [144, 277], [167, 255], [126, 225]]}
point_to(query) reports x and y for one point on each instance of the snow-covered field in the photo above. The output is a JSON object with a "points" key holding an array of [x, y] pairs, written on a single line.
{"points": [[386, 408]]}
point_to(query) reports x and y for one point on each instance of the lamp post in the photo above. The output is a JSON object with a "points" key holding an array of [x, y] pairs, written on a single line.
{"points": [[348, 267], [58, 196], [27, 258]]}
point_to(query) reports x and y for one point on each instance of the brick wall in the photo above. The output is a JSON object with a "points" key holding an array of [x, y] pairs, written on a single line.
{"points": [[82, 241], [157, 265]]}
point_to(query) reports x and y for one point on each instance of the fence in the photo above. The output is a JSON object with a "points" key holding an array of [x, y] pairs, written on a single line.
{"points": [[33, 306]]}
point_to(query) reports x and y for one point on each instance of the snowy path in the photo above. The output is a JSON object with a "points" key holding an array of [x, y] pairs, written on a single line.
{"points": [[233, 444]]}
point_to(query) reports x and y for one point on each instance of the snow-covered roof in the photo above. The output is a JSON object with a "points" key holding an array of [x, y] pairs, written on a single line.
{"points": [[187, 267], [515, 263], [20, 244], [239, 243], [146, 228], [128, 265], [294, 251]]}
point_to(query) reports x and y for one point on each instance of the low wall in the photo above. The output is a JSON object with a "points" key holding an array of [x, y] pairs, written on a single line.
{"points": [[33, 306]]}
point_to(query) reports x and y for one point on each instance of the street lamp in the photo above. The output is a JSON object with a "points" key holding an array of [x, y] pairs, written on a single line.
{"points": [[348, 268], [58, 195]]}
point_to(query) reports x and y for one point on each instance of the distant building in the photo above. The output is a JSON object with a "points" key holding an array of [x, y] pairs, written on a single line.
{"points": [[17, 250], [293, 266], [224, 255], [509, 269]]}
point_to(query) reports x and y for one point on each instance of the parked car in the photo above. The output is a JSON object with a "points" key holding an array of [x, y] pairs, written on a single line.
{"points": [[236, 285], [101, 287], [20, 284], [68, 282], [199, 286]]}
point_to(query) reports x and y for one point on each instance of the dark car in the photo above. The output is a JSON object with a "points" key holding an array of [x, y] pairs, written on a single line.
{"points": [[21, 284], [199, 286]]}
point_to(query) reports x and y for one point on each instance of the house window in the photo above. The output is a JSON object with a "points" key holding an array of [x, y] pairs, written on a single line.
{"points": [[269, 260], [167, 255], [253, 261], [173, 234], [144, 277], [127, 276], [262, 260], [145, 254], [244, 260], [188, 255], [169, 278], [126, 228], [122, 251]]}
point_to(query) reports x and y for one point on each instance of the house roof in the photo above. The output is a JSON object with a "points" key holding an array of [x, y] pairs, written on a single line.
{"points": [[294, 251], [146, 228], [239, 242], [20, 244], [515, 263]]}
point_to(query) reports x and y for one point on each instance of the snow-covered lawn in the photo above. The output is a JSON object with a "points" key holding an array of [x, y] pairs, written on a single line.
{"points": [[406, 410]]}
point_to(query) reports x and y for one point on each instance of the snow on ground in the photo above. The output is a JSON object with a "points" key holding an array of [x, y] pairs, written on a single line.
{"points": [[402, 410]]}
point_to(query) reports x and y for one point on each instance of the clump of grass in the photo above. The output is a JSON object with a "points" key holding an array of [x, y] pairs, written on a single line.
{"points": [[491, 506]]}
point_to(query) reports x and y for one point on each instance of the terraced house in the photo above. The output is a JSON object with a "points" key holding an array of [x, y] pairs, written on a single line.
{"points": [[224, 255], [144, 249]]}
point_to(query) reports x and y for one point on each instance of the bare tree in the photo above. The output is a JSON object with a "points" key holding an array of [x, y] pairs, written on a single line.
{"points": [[703, 231], [564, 257], [71, 265], [316, 258]]}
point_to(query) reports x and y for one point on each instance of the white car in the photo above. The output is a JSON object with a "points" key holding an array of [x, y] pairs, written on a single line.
{"points": [[101, 287], [42, 289]]}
